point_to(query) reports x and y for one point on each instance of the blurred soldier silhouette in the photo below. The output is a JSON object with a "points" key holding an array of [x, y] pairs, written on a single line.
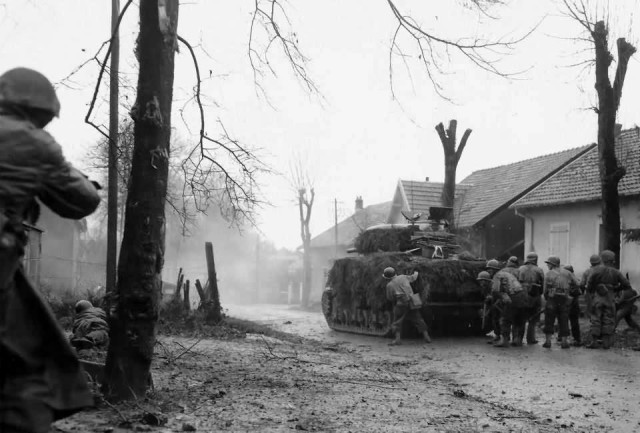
{"points": [[40, 376]]}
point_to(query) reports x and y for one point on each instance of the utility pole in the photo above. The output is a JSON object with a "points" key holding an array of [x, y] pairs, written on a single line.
{"points": [[112, 188], [335, 213]]}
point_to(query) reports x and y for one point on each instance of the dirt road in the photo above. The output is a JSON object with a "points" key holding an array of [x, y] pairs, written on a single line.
{"points": [[589, 390]]}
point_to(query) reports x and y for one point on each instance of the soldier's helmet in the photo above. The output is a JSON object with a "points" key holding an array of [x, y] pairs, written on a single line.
{"points": [[493, 264], [553, 260], [484, 276], [532, 257], [595, 259], [608, 256], [513, 259], [389, 273], [83, 305], [28, 88], [568, 268]]}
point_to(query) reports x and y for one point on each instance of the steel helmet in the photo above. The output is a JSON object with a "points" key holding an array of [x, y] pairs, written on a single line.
{"points": [[608, 256], [389, 273], [553, 260], [568, 268], [595, 259], [513, 259], [493, 264], [532, 257], [83, 306], [28, 88], [484, 276]]}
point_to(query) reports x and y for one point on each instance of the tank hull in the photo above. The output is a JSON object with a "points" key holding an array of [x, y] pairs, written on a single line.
{"points": [[355, 300]]}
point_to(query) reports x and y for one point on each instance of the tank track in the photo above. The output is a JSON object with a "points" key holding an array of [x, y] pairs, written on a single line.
{"points": [[327, 310]]}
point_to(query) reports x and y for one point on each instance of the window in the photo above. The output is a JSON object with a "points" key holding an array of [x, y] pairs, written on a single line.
{"points": [[559, 241]]}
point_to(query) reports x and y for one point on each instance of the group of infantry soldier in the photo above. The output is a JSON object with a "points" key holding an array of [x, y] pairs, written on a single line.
{"points": [[514, 303]]}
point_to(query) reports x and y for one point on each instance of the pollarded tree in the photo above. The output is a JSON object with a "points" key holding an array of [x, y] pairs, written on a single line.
{"points": [[611, 171]]}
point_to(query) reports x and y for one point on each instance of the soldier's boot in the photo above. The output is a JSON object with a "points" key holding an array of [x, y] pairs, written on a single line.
{"points": [[426, 337], [547, 341], [517, 337], [503, 342], [396, 339], [531, 334], [607, 341], [594, 342], [565, 343]]}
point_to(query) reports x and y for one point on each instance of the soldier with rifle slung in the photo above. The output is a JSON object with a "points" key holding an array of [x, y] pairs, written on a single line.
{"points": [[594, 261], [603, 283], [574, 307], [40, 376], [531, 278], [557, 283], [508, 290]]}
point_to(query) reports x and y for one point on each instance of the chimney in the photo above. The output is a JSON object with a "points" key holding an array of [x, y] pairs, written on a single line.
{"points": [[617, 129], [359, 205]]}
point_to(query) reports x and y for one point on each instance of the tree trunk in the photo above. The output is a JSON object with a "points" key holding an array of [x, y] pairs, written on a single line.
{"points": [[186, 302], [134, 315], [213, 309], [608, 102], [451, 159], [306, 274]]}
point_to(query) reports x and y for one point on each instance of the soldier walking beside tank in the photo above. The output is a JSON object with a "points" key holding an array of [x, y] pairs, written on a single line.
{"points": [[557, 282], [513, 302], [531, 277], [399, 292], [603, 282], [574, 307], [594, 261], [40, 376]]}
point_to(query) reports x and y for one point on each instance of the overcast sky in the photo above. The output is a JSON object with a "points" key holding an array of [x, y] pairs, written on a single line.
{"points": [[356, 138]]}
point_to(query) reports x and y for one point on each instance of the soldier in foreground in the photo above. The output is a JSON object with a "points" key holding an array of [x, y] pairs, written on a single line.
{"points": [[399, 292], [40, 376], [531, 278], [513, 302], [574, 307], [557, 282], [603, 282]]}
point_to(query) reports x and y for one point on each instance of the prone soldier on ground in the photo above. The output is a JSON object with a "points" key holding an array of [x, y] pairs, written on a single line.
{"points": [[531, 278], [90, 329]]}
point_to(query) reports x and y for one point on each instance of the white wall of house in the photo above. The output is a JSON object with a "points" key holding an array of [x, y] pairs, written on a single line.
{"points": [[573, 233]]}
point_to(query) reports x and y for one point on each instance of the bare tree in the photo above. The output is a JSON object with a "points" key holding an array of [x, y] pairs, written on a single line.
{"points": [[451, 159], [611, 172], [305, 195], [434, 51], [133, 320]]}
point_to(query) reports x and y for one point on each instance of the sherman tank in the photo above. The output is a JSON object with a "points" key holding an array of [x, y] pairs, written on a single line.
{"points": [[355, 297]]}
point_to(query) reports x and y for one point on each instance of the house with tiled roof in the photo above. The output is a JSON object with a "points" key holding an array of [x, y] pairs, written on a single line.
{"points": [[562, 215], [482, 212], [335, 241]]}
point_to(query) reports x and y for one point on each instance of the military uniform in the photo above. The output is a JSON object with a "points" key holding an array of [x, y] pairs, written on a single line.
{"points": [[603, 282], [513, 300], [588, 295], [531, 278], [40, 376], [557, 284], [398, 292], [625, 308]]}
